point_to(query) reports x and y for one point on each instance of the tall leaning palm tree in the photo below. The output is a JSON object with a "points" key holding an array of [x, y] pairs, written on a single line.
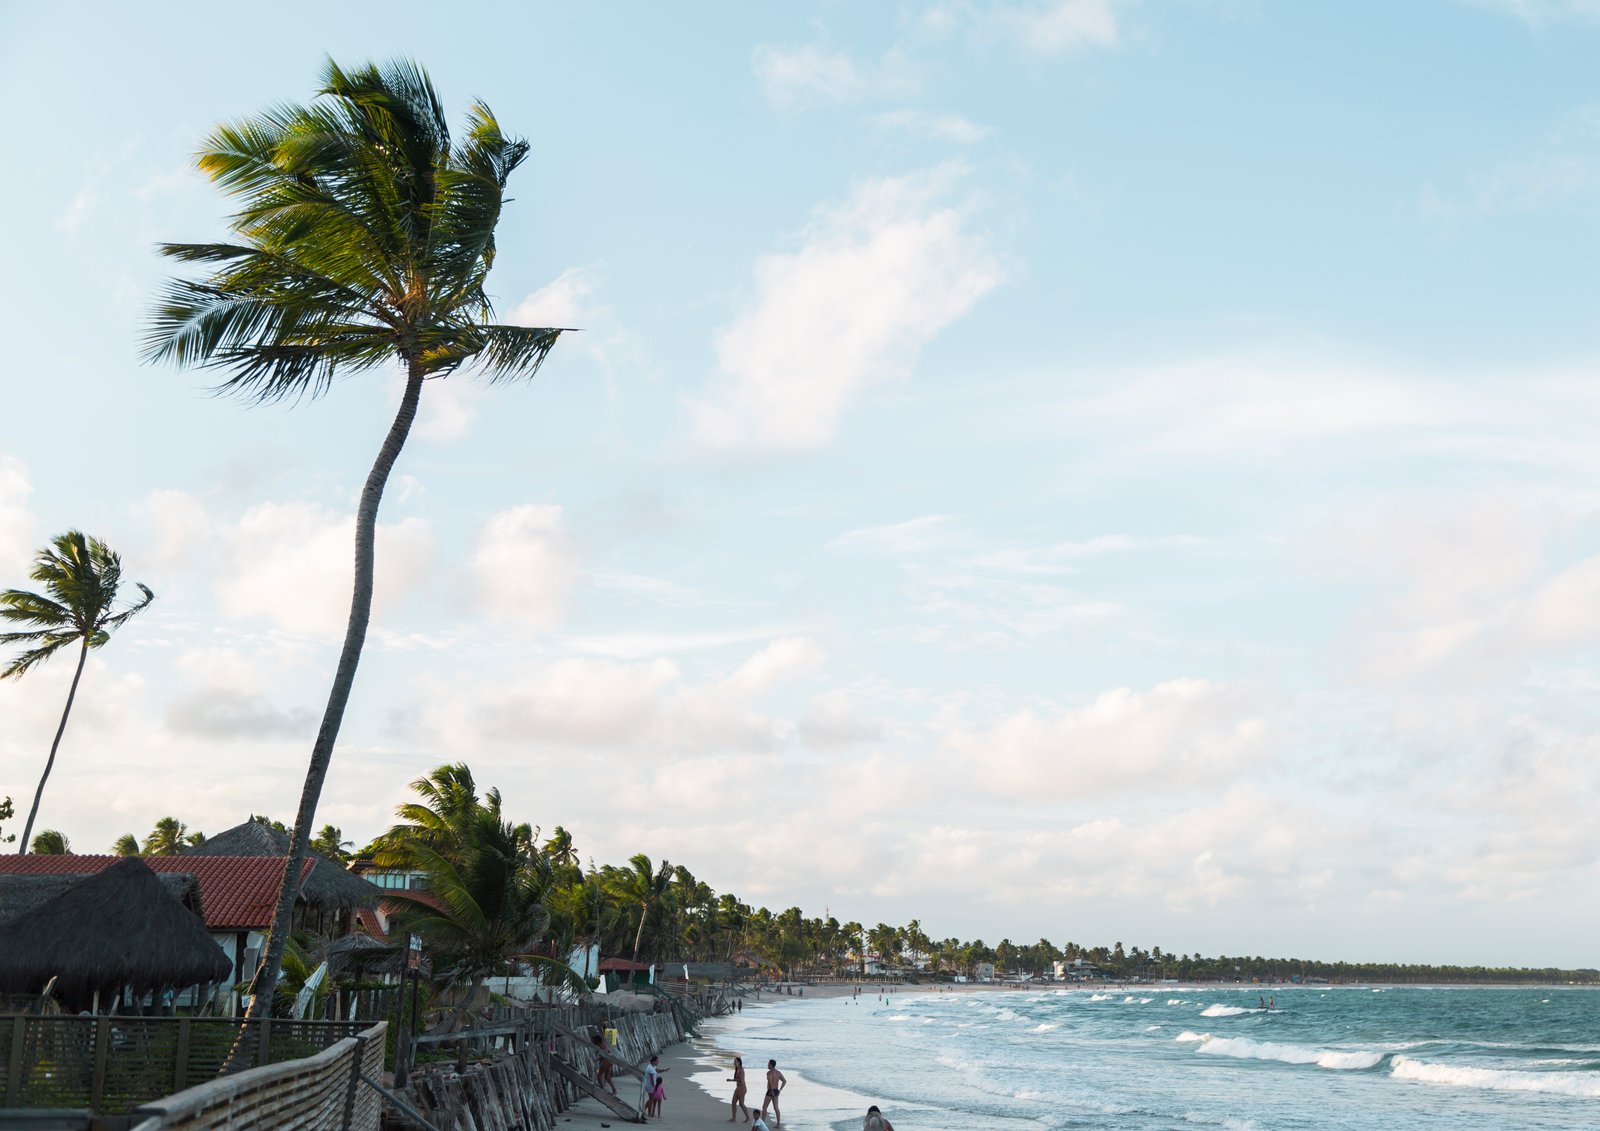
{"points": [[363, 239], [81, 577]]}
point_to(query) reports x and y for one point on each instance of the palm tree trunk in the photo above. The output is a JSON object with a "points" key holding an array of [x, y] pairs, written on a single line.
{"points": [[644, 910], [355, 635], [27, 830]]}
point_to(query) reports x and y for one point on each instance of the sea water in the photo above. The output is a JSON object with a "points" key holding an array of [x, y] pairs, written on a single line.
{"points": [[1168, 1056]]}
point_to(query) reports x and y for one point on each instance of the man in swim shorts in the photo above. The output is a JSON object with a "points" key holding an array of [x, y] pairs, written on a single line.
{"points": [[775, 1084]]}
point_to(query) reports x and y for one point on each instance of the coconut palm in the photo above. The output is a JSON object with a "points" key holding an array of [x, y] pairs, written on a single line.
{"points": [[81, 577], [485, 906], [50, 842], [127, 845], [363, 239], [169, 838], [642, 885]]}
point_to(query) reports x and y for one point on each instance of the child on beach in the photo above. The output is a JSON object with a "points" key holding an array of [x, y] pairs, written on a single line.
{"points": [[875, 1121], [655, 1090]]}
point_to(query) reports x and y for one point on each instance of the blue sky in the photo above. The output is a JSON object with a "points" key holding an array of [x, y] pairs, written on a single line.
{"points": [[1085, 469]]}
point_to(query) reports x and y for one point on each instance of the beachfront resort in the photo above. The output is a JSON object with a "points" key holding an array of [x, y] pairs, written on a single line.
{"points": [[1007, 564]]}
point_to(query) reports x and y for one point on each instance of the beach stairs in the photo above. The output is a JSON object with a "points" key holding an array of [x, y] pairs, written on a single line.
{"points": [[580, 1078], [619, 1107]]}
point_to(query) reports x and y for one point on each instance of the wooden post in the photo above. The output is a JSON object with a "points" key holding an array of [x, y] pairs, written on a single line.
{"points": [[102, 1049], [19, 1037], [358, 1057], [180, 1062]]}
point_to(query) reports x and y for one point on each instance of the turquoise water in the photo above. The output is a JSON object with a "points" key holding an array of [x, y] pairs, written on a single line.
{"points": [[1162, 1057]]}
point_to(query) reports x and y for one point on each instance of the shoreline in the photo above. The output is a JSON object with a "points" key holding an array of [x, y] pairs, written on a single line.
{"points": [[698, 1091]]}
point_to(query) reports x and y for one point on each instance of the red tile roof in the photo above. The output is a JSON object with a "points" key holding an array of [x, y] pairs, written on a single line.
{"points": [[236, 892]]}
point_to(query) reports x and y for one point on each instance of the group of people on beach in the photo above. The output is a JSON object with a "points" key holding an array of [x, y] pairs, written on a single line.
{"points": [[776, 1082]]}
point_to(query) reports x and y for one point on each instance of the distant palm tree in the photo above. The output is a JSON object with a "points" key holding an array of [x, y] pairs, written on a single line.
{"points": [[364, 239], [559, 848], [81, 576], [127, 845], [169, 838], [50, 842], [331, 843]]}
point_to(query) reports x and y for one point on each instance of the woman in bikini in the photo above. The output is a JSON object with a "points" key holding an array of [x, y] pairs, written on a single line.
{"points": [[738, 1091]]}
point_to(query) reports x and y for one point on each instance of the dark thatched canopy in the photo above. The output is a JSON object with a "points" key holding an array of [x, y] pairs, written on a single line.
{"points": [[119, 927], [20, 894], [329, 887]]}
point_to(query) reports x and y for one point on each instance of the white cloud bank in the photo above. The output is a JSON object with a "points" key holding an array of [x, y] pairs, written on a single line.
{"points": [[1187, 732], [874, 280]]}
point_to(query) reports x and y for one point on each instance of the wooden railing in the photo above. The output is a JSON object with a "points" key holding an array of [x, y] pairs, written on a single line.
{"points": [[107, 1065], [332, 1090]]}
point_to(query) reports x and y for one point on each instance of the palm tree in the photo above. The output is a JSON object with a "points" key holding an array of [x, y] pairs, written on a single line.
{"points": [[127, 845], [81, 576], [331, 843], [364, 238], [643, 885], [559, 848], [169, 838], [50, 842], [486, 906]]}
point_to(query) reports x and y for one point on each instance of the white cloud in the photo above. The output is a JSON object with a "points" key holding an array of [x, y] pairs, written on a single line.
{"points": [[793, 77], [874, 281], [938, 127], [900, 539], [835, 720], [178, 522], [448, 408], [525, 564], [1187, 732], [646, 706], [16, 521], [1038, 27], [1057, 27], [565, 303], [291, 563]]}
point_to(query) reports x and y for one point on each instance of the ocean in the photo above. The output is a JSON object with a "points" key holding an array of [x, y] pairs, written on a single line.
{"points": [[1171, 1056]]}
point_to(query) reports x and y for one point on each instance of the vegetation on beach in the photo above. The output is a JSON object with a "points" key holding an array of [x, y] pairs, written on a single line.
{"points": [[495, 894], [363, 240], [81, 579]]}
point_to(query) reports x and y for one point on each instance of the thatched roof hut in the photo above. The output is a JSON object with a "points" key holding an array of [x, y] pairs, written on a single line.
{"points": [[20, 894], [118, 927], [329, 887]]}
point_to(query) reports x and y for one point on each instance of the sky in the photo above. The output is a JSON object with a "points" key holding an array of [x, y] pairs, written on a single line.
{"points": [[1106, 471]]}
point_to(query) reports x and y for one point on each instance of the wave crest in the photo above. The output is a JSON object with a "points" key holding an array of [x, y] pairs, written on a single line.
{"points": [[1353, 1060], [1584, 1084]]}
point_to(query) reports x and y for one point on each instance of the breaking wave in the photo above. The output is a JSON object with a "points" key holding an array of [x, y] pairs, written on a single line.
{"points": [[1243, 1048], [1584, 1084]]}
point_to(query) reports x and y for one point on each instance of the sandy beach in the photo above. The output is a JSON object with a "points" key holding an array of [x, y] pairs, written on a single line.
{"points": [[696, 1065]]}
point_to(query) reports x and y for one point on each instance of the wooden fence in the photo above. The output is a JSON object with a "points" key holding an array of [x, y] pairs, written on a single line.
{"points": [[108, 1065], [329, 1091]]}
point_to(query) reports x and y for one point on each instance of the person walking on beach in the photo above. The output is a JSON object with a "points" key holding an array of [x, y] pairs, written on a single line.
{"points": [[775, 1084], [738, 1091], [655, 1090], [602, 1071], [875, 1121]]}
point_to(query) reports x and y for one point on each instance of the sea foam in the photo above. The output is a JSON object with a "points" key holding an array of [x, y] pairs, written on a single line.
{"points": [[1225, 1011], [1585, 1084], [1285, 1053]]}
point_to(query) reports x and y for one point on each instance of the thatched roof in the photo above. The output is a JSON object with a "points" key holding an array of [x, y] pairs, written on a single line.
{"points": [[330, 886], [23, 893], [117, 927]]}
